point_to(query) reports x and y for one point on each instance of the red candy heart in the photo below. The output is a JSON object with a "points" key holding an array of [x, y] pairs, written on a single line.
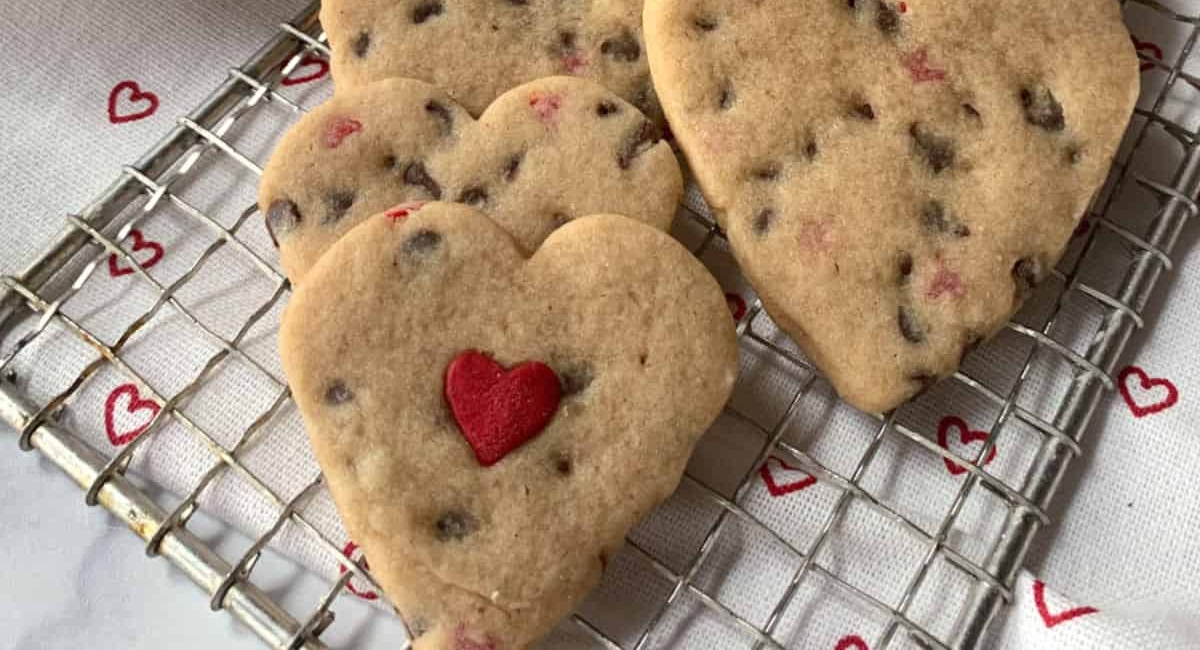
{"points": [[496, 410]]}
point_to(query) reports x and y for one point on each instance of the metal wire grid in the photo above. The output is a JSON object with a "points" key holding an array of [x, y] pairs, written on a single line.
{"points": [[56, 277]]}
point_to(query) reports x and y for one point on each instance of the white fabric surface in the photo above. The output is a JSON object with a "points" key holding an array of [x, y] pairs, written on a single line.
{"points": [[1123, 545]]}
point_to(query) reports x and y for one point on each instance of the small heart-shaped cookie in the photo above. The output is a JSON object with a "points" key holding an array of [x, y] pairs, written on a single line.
{"points": [[894, 177], [491, 424], [478, 49], [542, 154]]}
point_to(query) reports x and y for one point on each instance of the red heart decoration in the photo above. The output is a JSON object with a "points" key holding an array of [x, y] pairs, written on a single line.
{"points": [[778, 489], [1152, 48], [965, 436], [140, 243], [853, 641], [401, 212], [136, 403], [124, 100], [1140, 401], [1039, 599], [365, 594], [499, 410], [302, 74]]}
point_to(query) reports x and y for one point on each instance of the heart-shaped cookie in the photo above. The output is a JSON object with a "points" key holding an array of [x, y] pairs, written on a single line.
{"points": [[492, 425], [478, 49], [894, 177], [542, 154]]}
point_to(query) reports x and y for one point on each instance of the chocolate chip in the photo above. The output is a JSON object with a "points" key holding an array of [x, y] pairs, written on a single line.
{"points": [[725, 99], [1073, 154], [427, 10], [810, 149], [763, 221], [512, 166], [767, 172], [606, 108], [1027, 274], [936, 220], [361, 44], [575, 378], [421, 242], [637, 142], [474, 195], [865, 111], [566, 41], [887, 19], [558, 220], [905, 264], [442, 114], [910, 327], [336, 393], [925, 379], [282, 217], [622, 47], [455, 525], [416, 174], [705, 23], [971, 111], [937, 151], [337, 203], [1042, 109], [644, 99], [562, 463], [390, 162], [518, 3]]}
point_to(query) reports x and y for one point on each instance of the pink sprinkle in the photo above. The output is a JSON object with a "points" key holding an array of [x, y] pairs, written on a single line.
{"points": [[545, 106], [575, 63], [918, 65], [946, 282], [338, 129], [401, 212]]}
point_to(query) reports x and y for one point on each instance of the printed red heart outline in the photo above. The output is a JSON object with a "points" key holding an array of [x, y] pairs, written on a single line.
{"points": [[136, 96], [737, 306], [1147, 46], [322, 69], [782, 489], [140, 243], [348, 550], [136, 403], [851, 641], [966, 436], [1051, 620], [1142, 410]]}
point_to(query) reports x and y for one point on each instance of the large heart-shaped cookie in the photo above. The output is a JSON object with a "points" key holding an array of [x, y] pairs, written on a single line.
{"points": [[894, 177], [541, 155], [478, 49], [492, 425]]}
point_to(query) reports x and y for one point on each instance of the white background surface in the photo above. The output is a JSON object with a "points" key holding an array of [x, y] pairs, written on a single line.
{"points": [[73, 578]]}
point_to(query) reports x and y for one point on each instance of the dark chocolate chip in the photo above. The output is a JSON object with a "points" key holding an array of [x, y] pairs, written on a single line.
{"points": [[442, 114], [562, 463], [887, 19], [810, 149], [566, 41], [603, 561], [910, 327], [606, 108], [763, 221], [725, 99], [905, 263], [937, 151], [475, 195], [644, 99], [282, 217], [512, 166], [575, 378], [416, 174], [337, 203], [622, 47], [421, 243], [426, 10], [924, 379], [971, 111], [865, 111], [1042, 109], [1073, 154], [637, 142], [336, 393], [705, 23], [642, 358], [767, 172], [518, 3], [936, 220], [455, 525], [390, 162], [361, 44], [853, 4], [1027, 274]]}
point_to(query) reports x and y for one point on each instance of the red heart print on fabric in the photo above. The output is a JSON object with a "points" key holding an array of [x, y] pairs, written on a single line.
{"points": [[737, 306], [1152, 48], [127, 102], [966, 436], [851, 642], [349, 552], [140, 243], [133, 406], [1051, 620], [783, 479], [499, 410], [309, 69], [1144, 394]]}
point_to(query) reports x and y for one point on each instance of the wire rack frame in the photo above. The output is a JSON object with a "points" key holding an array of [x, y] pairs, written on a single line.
{"points": [[40, 291]]}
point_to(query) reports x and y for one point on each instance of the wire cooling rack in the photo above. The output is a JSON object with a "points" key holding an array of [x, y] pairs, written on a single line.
{"points": [[1039, 383]]}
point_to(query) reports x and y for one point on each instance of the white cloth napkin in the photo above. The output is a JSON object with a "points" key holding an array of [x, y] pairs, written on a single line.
{"points": [[88, 90]]}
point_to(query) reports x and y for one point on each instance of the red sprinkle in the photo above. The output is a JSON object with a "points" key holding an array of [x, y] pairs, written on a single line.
{"points": [[918, 65], [903, 7], [545, 106], [338, 129], [400, 212]]}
